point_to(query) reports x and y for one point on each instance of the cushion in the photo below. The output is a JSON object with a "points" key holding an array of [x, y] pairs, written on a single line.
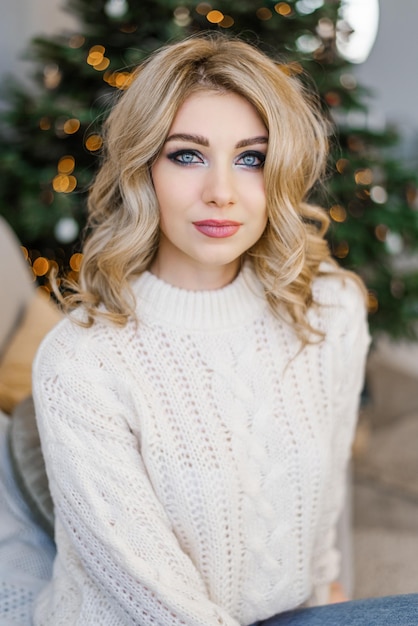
{"points": [[28, 464], [16, 363], [16, 284]]}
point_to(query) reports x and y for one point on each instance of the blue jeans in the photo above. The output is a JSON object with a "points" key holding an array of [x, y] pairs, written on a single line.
{"points": [[399, 610]]}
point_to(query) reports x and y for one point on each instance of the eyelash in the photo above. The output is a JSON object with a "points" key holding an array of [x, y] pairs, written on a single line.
{"points": [[178, 155]]}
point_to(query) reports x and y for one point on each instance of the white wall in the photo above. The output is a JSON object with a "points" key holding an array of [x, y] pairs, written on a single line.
{"points": [[391, 70], [20, 21]]}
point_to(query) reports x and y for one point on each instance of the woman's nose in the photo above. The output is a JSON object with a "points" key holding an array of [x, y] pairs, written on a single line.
{"points": [[219, 187]]}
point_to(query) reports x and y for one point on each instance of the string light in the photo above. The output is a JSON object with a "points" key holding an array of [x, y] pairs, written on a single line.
{"points": [[71, 126], [308, 43], [66, 164], [75, 261], [93, 143], [381, 232], [116, 8], [44, 123], [40, 266], [215, 17], [182, 16], [62, 183], [97, 59], [66, 229], [264, 14], [338, 213], [341, 250], [203, 8], [342, 165], [284, 9], [120, 80], [325, 28], [128, 28], [227, 22], [348, 81], [363, 176], [378, 194], [332, 98]]}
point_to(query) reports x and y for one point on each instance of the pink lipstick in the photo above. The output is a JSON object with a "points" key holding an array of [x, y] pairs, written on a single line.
{"points": [[217, 228]]}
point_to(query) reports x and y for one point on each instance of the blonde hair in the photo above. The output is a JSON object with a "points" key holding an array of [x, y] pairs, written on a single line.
{"points": [[123, 208]]}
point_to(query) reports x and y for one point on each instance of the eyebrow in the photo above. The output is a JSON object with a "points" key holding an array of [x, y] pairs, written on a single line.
{"points": [[202, 141]]}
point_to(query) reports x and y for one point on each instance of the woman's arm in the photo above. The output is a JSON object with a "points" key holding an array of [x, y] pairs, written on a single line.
{"points": [[349, 338], [105, 502]]}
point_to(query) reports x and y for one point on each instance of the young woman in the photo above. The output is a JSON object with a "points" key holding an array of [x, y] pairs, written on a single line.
{"points": [[197, 408]]}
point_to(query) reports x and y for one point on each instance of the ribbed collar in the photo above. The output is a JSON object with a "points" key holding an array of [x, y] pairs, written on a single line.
{"points": [[231, 306]]}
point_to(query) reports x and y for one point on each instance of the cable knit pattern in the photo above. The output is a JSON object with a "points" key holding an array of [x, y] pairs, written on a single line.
{"points": [[196, 459]]}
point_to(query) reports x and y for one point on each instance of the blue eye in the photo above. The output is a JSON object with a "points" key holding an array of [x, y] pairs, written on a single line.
{"points": [[252, 159], [185, 157]]}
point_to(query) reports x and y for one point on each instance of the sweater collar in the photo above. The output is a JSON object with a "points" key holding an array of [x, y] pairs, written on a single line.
{"points": [[233, 305]]}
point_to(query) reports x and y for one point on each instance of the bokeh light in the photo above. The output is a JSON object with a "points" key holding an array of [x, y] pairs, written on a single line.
{"points": [[215, 17]]}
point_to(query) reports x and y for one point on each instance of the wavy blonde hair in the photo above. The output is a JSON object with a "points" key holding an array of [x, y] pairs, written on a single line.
{"points": [[123, 208]]}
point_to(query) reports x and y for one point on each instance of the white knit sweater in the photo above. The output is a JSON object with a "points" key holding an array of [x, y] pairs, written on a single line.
{"points": [[197, 460]]}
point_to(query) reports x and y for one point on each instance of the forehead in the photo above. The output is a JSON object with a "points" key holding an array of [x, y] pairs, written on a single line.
{"points": [[211, 110]]}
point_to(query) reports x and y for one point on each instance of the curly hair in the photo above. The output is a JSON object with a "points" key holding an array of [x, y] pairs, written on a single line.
{"points": [[123, 208]]}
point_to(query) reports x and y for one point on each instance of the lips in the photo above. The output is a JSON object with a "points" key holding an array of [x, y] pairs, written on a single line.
{"points": [[217, 229]]}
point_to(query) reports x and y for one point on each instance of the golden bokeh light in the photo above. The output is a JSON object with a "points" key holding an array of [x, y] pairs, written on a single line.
{"points": [[128, 28], [100, 67], [97, 59], [227, 22], [203, 8], [341, 250], [25, 252], [338, 213], [66, 164], [264, 14], [363, 176], [214, 17], [75, 261], [71, 126], [282, 8], [64, 184], [120, 80], [40, 266], [381, 232], [93, 143], [342, 165], [45, 123]]}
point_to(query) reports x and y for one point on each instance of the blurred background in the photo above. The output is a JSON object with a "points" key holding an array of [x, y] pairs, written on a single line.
{"points": [[63, 61]]}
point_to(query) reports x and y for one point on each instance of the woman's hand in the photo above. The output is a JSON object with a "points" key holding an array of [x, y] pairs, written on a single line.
{"points": [[336, 593]]}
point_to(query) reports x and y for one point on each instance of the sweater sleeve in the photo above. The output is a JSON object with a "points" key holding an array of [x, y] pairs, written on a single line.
{"points": [[346, 320], [103, 498]]}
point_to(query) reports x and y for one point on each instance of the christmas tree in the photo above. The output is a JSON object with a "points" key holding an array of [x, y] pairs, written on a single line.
{"points": [[50, 135]]}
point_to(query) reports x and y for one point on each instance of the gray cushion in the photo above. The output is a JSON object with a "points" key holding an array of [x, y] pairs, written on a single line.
{"points": [[28, 464]]}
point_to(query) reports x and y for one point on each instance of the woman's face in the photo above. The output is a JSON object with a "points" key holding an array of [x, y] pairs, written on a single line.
{"points": [[210, 187]]}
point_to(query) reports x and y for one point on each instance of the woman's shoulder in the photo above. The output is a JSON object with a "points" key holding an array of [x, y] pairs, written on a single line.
{"points": [[335, 286], [339, 300], [72, 339]]}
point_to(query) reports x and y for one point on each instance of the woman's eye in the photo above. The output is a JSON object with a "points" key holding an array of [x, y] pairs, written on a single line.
{"points": [[252, 159], [185, 157]]}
